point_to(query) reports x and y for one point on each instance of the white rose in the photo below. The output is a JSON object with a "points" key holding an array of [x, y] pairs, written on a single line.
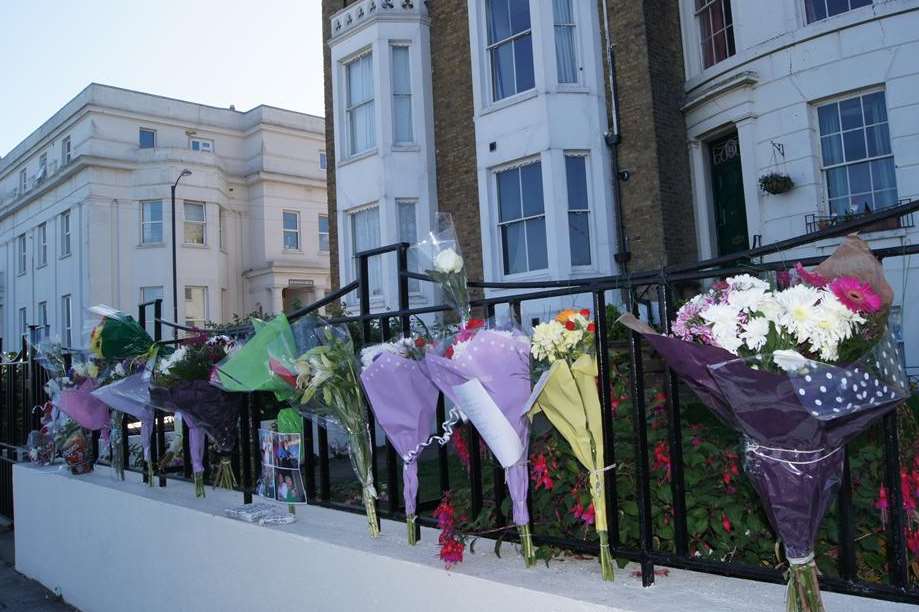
{"points": [[448, 261]]}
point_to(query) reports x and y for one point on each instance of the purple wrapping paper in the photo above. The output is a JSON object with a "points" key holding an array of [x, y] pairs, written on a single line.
{"points": [[795, 425], [195, 442], [131, 395], [212, 410], [80, 405], [404, 402], [501, 363]]}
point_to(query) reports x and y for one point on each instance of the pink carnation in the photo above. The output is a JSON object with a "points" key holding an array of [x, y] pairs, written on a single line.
{"points": [[856, 295]]}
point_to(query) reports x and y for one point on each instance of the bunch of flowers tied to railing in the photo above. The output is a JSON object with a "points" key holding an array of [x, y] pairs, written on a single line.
{"points": [[798, 371]]}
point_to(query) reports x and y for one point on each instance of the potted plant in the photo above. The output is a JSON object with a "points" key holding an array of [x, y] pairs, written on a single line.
{"points": [[775, 183]]}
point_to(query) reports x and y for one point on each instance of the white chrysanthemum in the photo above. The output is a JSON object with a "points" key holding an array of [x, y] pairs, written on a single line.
{"points": [[721, 315], [547, 337], [769, 307], [746, 300], [745, 282], [798, 305], [726, 337], [177, 356], [755, 332]]}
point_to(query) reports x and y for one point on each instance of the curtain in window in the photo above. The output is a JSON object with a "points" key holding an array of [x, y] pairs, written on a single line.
{"points": [[360, 104], [365, 234], [402, 96], [565, 55]]}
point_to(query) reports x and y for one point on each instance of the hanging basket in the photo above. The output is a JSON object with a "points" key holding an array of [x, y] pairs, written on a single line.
{"points": [[776, 183]]}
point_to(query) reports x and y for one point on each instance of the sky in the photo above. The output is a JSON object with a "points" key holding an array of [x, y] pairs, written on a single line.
{"points": [[216, 52]]}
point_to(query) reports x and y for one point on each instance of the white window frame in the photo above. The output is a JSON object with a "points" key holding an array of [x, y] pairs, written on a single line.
{"points": [[140, 131], [23, 180], [41, 245], [585, 155], [349, 109], [205, 145], [21, 255], [375, 292], [67, 320], [824, 169], [396, 95], [489, 47], [826, 10], [323, 160], [193, 322], [64, 224], [144, 299], [498, 223], [186, 222], [573, 26], [23, 317], [285, 231], [43, 164], [728, 40], [65, 150], [42, 316], [143, 222], [326, 233]]}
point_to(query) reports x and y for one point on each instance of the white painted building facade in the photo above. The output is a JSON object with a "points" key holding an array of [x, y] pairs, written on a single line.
{"points": [[823, 91], [85, 212]]}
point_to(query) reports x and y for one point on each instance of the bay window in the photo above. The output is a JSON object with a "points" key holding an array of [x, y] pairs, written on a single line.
{"points": [[578, 209], [195, 223], [522, 219], [510, 47], [359, 104]]}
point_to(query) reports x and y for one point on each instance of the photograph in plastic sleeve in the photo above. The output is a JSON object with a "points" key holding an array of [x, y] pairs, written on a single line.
{"points": [[281, 479], [289, 486], [286, 450], [265, 487]]}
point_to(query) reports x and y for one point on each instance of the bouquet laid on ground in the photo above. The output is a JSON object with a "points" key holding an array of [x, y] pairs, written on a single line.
{"points": [[486, 374], [405, 404], [116, 335], [442, 259], [798, 372], [322, 371], [567, 395], [129, 393], [181, 383]]}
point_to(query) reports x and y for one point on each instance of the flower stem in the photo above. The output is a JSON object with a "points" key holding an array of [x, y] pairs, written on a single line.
{"points": [[199, 484], [373, 522], [606, 557], [526, 544], [412, 529], [803, 593]]}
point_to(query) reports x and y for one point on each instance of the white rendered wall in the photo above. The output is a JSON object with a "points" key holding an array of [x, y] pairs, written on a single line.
{"points": [[109, 546]]}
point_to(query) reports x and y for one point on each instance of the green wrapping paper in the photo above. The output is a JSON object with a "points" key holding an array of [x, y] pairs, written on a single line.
{"points": [[117, 335], [247, 368]]}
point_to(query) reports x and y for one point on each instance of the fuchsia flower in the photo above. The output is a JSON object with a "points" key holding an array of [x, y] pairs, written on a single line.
{"points": [[662, 459], [451, 545], [810, 278], [855, 295], [883, 504], [540, 474], [584, 514]]}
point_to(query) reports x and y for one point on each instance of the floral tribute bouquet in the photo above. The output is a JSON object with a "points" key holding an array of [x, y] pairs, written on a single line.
{"points": [[180, 382], [116, 335], [567, 394], [798, 372], [405, 403], [321, 370], [246, 368], [443, 260], [486, 374], [70, 388]]}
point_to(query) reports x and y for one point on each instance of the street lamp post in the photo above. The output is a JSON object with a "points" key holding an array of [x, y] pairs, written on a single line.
{"points": [[175, 281]]}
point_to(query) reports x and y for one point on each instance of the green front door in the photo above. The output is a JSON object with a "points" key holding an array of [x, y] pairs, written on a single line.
{"points": [[727, 191]]}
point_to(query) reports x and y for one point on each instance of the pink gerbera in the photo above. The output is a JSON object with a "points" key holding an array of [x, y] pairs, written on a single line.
{"points": [[856, 295]]}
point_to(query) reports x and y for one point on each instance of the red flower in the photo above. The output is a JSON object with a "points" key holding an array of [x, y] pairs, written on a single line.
{"points": [[585, 313], [474, 324], [451, 552], [570, 326], [882, 504], [420, 342], [614, 404], [856, 295], [449, 352], [588, 515], [725, 522], [810, 278], [459, 444], [660, 397], [662, 459], [591, 328], [451, 545], [540, 474]]}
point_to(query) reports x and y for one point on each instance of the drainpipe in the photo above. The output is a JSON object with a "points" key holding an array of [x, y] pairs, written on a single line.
{"points": [[612, 138]]}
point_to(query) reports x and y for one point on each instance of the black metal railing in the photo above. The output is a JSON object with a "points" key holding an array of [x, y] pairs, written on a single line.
{"points": [[658, 289]]}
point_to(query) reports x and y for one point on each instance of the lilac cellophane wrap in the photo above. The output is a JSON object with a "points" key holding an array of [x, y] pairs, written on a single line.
{"points": [[794, 424], [195, 442], [82, 406], [500, 361], [404, 402], [211, 409], [131, 395]]}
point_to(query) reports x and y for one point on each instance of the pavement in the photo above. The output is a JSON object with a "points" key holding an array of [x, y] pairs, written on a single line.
{"points": [[18, 592]]}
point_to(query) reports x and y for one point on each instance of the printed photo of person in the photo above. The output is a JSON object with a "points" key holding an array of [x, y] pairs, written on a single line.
{"points": [[287, 451], [290, 486], [267, 446], [266, 484]]}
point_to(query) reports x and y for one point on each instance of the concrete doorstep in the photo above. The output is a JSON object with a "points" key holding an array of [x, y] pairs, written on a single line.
{"points": [[18, 592]]}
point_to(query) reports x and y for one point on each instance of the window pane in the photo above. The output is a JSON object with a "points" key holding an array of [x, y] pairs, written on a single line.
{"points": [[815, 10], [362, 129], [576, 170], [194, 212], [520, 15], [291, 240], [531, 178], [837, 6], [721, 46], [408, 232], [854, 144], [831, 147], [851, 113], [401, 83], [509, 195], [402, 116], [291, 221], [194, 233], [561, 11], [860, 3], [536, 244], [883, 199], [153, 232], [523, 54], [875, 108], [861, 203], [717, 15], [323, 224], [195, 305], [360, 80], [365, 234], [515, 258], [502, 69], [579, 238], [859, 178], [153, 211], [499, 21], [839, 206], [565, 55], [883, 174], [708, 52], [828, 118], [837, 182], [878, 140], [147, 139]]}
